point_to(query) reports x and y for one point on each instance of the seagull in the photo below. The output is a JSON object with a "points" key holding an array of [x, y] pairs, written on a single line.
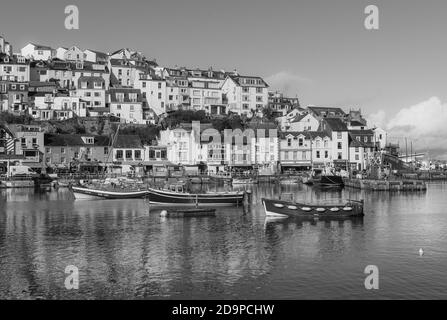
{"points": [[421, 252]]}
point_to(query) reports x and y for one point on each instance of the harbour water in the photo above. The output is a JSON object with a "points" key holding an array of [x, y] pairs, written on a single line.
{"points": [[124, 250]]}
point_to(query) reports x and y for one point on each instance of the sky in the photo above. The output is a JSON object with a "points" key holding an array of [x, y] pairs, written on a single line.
{"points": [[317, 50]]}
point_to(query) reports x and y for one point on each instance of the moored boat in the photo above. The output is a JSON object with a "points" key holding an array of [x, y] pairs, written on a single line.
{"points": [[178, 198], [285, 209], [92, 193]]}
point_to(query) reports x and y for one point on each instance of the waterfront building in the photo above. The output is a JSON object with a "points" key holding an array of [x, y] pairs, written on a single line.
{"points": [[305, 150], [361, 147], [29, 143], [65, 151], [184, 143], [380, 137], [127, 104], [245, 94], [284, 121], [37, 52], [338, 132], [265, 147], [128, 155]]}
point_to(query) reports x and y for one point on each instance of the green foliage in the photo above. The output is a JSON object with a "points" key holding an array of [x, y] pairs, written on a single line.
{"points": [[179, 116], [16, 119], [147, 133]]}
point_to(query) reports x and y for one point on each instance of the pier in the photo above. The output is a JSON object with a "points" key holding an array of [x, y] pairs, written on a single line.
{"points": [[386, 185]]}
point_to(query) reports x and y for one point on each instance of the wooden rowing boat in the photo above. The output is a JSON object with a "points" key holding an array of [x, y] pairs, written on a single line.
{"points": [[284, 209]]}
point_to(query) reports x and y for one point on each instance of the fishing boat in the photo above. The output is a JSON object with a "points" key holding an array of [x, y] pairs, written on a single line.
{"points": [[92, 193], [328, 181], [286, 209], [180, 198]]}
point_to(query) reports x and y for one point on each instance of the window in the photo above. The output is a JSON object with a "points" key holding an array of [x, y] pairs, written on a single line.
{"points": [[144, 84], [245, 89], [300, 142], [356, 149], [34, 140], [318, 154], [339, 156], [365, 139], [258, 90], [47, 150], [289, 142], [137, 155], [128, 154], [159, 85], [159, 95], [326, 154], [339, 145], [118, 107], [119, 154], [258, 98], [97, 94], [286, 155], [88, 94], [106, 150], [356, 157], [357, 138], [62, 150]]}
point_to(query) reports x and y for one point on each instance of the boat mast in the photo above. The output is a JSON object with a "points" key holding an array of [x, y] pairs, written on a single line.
{"points": [[111, 146]]}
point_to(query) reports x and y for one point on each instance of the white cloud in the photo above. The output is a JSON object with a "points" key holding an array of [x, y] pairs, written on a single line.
{"points": [[377, 119], [286, 82], [425, 124]]}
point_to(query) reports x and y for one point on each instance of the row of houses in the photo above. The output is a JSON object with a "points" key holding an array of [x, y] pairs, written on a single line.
{"points": [[62, 83], [260, 146]]}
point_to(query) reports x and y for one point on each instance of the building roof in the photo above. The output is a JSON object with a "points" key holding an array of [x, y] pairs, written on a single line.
{"points": [[128, 141], [335, 124], [307, 134], [238, 80], [41, 47], [362, 132], [356, 123], [326, 111], [63, 140]]}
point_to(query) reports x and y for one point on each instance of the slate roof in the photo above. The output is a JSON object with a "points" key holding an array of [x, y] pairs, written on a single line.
{"points": [[335, 124], [61, 140]]}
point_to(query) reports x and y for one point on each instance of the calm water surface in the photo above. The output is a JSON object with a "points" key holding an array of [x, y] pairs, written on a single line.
{"points": [[123, 250]]}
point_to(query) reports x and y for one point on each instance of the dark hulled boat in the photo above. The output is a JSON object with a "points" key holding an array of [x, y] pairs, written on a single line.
{"points": [[284, 209], [161, 197], [92, 193], [174, 198], [328, 181]]}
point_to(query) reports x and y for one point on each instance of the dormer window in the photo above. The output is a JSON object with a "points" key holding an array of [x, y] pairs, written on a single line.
{"points": [[88, 140], [21, 59]]}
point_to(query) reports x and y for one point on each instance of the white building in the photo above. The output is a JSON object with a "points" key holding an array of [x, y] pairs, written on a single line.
{"points": [[37, 52], [95, 56], [338, 131], [153, 89], [127, 104], [245, 94], [303, 122]]}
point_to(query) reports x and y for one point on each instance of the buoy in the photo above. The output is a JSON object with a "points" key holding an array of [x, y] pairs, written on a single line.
{"points": [[279, 205], [163, 213], [421, 252]]}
